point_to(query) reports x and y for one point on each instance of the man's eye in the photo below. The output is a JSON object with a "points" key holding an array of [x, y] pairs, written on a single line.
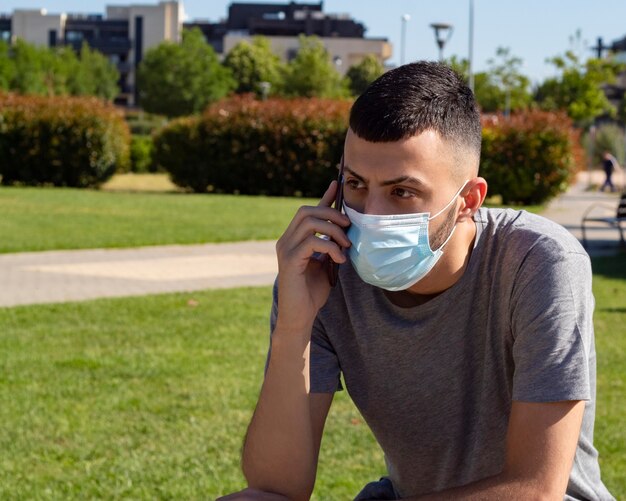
{"points": [[354, 184], [402, 193]]}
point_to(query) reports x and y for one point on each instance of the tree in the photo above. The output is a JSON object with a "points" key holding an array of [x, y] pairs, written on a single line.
{"points": [[312, 74], [504, 74], [7, 66], [364, 73], [28, 77], [621, 109], [502, 87], [606, 137], [94, 75], [28, 69], [461, 66], [253, 63], [180, 79], [578, 87]]}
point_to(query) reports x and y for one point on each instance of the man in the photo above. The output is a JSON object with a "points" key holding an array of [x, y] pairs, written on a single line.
{"points": [[464, 335], [610, 165]]}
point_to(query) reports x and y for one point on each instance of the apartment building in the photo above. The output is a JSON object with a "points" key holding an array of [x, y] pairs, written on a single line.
{"points": [[343, 37]]}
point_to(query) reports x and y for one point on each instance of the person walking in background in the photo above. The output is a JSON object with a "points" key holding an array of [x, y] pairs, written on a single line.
{"points": [[610, 165]]}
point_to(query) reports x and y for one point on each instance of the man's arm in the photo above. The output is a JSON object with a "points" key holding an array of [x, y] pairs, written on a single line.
{"points": [[319, 404], [540, 447], [282, 444], [283, 440]]}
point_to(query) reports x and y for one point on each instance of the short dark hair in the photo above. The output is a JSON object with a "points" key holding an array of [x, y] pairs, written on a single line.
{"points": [[414, 98]]}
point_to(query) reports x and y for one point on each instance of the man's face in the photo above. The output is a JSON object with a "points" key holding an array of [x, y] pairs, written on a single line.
{"points": [[403, 177]]}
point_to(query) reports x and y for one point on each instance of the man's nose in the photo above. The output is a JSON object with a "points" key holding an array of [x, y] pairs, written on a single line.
{"points": [[378, 206]]}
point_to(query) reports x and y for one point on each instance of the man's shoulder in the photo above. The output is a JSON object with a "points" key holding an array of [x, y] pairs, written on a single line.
{"points": [[521, 231]]}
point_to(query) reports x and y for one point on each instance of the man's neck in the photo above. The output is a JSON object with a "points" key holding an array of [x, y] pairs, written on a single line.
{"points": [[448, 270]]}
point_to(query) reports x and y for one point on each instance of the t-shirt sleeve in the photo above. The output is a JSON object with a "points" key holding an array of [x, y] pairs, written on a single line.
{"points": [[552, 326], [324, 365]]}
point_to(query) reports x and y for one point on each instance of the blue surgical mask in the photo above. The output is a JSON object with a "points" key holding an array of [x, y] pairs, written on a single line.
{"points": [[393, 252]]}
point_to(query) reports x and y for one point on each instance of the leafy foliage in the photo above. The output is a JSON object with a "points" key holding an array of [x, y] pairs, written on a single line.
{"points": [[141, 154], [364, 73], [63, 141], [28, 69], [607, 137], [502, 87], [180, 79], [290, 147], [578, 88], [7, 68], [93, 75], [273, 147], [531, 156], [312, 74], [253, 63]]}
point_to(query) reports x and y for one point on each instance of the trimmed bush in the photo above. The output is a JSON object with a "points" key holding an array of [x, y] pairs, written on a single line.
{"points": [[61, 141], [179, 151], [531, 157], [291, 147], [241, 145]]}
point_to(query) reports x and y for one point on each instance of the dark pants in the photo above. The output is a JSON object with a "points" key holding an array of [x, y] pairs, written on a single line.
{"points": [[383, 489], [607, 181]]}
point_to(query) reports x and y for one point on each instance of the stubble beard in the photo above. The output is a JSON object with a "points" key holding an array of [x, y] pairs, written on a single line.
{"points": [[443, 232]]}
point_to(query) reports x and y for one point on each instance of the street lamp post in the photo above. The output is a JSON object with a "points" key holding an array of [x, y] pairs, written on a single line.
{"points": [[471, 45], [405, 19], [443, 32]]}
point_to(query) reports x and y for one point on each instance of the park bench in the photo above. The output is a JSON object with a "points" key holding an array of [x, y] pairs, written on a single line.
{"points": [[615, 220]]}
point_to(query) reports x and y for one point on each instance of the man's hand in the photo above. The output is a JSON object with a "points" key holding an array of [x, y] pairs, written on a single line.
{"points": [[303, 285]]}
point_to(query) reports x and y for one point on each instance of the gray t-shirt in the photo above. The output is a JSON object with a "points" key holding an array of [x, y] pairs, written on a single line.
{"points": [[435, 382]]}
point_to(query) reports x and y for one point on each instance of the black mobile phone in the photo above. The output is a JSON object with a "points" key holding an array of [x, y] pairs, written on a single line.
{"points": [[332, 267]]}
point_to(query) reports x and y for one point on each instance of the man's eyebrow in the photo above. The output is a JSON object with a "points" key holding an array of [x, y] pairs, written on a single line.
{"points": [[397, 180]]}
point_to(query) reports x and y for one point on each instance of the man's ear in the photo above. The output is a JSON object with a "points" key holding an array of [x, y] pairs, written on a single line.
{"points": [[473, 198]]}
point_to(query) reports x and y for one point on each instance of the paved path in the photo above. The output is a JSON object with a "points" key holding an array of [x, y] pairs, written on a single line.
{"points": [[59, 276], [568, 210]]}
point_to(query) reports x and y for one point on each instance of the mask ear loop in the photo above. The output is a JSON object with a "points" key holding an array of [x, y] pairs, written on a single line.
{"points": [[454, 227], [451, 201]]}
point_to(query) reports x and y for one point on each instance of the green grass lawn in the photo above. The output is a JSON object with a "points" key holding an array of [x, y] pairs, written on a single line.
{"points": [[37, 219], [149, 398]]}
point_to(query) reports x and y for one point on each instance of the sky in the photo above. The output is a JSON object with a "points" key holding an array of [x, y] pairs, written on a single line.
{"points": [[532, 29]]}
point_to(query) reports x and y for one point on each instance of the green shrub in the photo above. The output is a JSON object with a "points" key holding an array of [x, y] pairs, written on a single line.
{"points": [[531, 157], [62, 141], [291, 147], [141, 154], [274, 147], [177, 150]]}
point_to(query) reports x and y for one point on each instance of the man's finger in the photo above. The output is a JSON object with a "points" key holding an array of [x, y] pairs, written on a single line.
{"points": [[329, 197]]}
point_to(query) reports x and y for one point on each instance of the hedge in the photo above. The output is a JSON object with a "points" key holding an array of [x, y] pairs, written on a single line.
{"points": [[241, 145], [61, 141], [530, 157], [291, 147]]}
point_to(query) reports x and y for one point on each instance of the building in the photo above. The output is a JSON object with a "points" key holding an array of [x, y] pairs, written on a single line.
{"points": [[616, 91], [343, 37], [125, 33]]}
